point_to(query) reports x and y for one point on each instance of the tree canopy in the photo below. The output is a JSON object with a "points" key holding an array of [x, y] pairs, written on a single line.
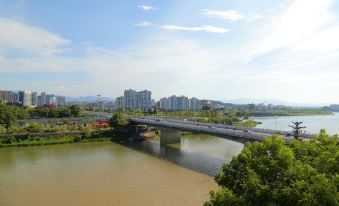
{"points": [[274, 173], [118, 120], [7, 115]]}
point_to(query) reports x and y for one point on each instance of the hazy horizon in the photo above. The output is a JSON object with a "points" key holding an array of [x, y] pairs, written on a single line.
{"points": [[219, 50]]}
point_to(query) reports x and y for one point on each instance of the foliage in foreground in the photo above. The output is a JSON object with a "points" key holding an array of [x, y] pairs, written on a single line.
{"points": [[273, 173]]}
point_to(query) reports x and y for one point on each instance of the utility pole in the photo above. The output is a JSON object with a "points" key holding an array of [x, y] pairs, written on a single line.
{"points": [[296, 129], [98, 102]]}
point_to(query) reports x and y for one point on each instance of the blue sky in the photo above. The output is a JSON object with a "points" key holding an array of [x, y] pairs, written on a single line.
{"points": [[217, 49]]}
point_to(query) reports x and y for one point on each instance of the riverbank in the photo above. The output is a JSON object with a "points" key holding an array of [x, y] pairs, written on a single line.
{"points": [[303, 112], [40, 140]]}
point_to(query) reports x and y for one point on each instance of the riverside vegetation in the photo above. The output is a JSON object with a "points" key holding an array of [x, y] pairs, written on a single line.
{"points": [[274, 173], [30, 133]]}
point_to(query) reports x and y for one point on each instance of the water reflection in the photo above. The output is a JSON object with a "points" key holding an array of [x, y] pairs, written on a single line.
{"points": [[201, 153]]}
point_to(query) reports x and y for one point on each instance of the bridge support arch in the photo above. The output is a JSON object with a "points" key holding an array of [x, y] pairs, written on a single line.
{"points": [[169, 136]]}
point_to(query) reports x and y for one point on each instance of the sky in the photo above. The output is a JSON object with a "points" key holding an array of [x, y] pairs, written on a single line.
{"points": [[216, 49]]}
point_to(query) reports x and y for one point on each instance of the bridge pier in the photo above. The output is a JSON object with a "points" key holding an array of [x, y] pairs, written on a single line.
{"points": [[169, 136]]}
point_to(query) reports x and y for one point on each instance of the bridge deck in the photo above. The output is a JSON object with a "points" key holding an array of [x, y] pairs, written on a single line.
{"points": [[208, 129]]}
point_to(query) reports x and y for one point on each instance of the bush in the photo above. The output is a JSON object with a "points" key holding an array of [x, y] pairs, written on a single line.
{"points": [[34, 127], [77, 138], [8, 140], [2, 130]]}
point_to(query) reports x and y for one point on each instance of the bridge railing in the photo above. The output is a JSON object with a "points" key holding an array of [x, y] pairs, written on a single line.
{"points": [[201, 128], [261, 130]]}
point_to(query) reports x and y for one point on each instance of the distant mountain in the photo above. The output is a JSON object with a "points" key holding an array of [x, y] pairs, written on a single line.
{"points": [[218, 103], [274, 102], [88, 99]]}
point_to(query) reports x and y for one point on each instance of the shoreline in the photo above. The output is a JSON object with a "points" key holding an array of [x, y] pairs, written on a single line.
{"points": [[41, 140]]}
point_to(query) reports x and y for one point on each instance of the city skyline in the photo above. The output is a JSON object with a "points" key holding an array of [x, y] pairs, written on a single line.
{"points": [[220, 50]]}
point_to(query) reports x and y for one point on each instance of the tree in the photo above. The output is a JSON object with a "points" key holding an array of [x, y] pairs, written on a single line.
{"points": [[118, 121], [297, 129], [273, 173], [7, 116], [75, 110]]}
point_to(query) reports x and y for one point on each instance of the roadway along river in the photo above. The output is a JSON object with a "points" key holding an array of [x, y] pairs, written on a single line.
{"points": [[135, 173]]}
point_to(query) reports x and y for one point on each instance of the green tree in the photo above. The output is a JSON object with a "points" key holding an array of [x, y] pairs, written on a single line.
{"points": [[75, 110], [273, 173], [118, 121], [7, 116]]}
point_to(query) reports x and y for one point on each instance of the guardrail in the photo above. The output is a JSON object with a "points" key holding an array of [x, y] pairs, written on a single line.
{"points": [[234, 128], [260, 130], [201, 128]]}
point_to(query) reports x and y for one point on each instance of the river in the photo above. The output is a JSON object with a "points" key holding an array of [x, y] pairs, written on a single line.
{"points": [[313, 123], [107, 173]]}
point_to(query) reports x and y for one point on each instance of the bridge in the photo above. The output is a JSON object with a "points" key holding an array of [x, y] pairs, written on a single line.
{"points": [[170, 129]]}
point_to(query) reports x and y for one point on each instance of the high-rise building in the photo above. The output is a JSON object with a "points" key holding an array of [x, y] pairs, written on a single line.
{"points": [[137, 100], [51, 99], [25, 98], [194, 104], [163, 104], [119, 103], [42, 99], [34, 99], [8, 97], [130, 99], [144, 100], [60, 101], [182, 103], [172, 103]]}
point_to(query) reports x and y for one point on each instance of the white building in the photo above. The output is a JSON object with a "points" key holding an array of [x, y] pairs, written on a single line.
{"points": [[42, 99], [25, 98], [137, 100], [34, 99], [164, 104], [182, 103], [194, 104], [144, 100]]}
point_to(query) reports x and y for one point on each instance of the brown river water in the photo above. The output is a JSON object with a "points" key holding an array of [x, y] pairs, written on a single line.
{"points": [[107, 173]]}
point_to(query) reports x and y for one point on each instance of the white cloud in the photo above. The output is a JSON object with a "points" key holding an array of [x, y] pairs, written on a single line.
{"points": [[144, 24], [204, 28], [302, 50], [146, 8], [225, 14], [61, 88], [18, 35], [304, 19]]}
